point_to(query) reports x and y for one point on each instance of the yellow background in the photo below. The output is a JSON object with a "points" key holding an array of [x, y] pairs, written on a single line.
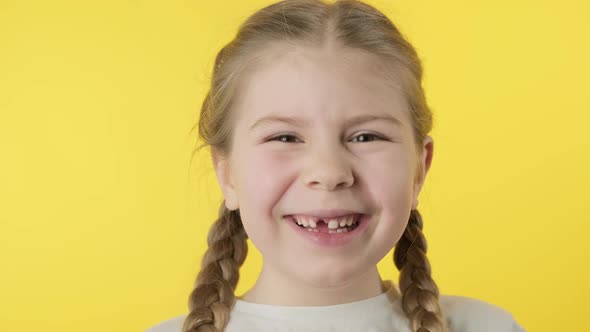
{"points": [[103, 220]]}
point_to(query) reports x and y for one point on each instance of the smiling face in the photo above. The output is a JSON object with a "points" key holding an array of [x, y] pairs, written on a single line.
{"points": [[314, 130]]}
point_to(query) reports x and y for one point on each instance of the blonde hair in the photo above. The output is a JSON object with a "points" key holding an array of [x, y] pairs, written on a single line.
{"points": [[350, 24]]}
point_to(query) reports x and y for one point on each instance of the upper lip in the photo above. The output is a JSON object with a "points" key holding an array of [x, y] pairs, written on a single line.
{"points": [[327, 213]]}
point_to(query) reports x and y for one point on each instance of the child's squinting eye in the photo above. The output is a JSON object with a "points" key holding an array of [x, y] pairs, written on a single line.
{"points": [[363, 137]]}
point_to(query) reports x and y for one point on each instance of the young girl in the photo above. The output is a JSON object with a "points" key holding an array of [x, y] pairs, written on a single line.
{"points": [[318, 128]]}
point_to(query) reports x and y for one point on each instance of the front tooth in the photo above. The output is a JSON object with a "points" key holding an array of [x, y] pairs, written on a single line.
{"points": [[312, 223], [333, 223]]}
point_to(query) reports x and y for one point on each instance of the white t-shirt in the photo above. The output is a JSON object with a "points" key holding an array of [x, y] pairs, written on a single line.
{"points": [[381, 313]]}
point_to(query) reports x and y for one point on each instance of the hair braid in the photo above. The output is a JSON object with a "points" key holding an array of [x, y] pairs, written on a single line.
{"points": [[419, 292], [211, 300]]}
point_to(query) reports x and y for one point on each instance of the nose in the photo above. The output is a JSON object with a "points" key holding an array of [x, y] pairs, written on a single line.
{"points": [[328, 171]]}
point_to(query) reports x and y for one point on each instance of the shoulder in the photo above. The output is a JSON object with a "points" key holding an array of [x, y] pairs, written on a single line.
{"points": [[170, 325], [465, 314]]}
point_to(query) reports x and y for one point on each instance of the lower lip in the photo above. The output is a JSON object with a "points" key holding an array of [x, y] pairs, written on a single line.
{"points": [[329, 239]]}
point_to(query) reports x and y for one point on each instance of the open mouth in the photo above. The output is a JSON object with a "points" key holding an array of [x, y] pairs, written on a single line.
{"points": [[328, 225]]}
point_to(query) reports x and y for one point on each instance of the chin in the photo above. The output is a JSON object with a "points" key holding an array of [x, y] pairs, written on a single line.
{"points": [[326, 277]]}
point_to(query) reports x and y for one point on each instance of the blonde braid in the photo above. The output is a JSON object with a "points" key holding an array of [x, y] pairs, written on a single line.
{"points": [[419, 292], [213, 297]]}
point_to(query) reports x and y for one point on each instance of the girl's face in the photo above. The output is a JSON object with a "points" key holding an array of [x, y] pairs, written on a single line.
{"points": [[318, 130]]}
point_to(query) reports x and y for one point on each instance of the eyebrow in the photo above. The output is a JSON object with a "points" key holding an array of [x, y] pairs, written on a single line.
{"points": [[298, 122]]}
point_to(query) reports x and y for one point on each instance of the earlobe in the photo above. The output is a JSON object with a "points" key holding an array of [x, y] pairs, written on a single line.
{"points": [[223, 173]]}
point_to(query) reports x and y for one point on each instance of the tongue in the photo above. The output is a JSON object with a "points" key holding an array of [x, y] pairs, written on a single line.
{"points": [[322, 227]]}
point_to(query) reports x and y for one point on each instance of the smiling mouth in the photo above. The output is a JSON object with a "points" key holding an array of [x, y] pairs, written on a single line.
{"points": [[328, 225]]}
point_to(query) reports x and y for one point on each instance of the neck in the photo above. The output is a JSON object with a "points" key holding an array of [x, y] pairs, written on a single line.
{"points": [[275, 288]]}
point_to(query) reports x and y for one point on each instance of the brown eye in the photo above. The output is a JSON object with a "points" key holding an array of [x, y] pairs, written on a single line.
{"points": [[365, 137], [283, 138]]}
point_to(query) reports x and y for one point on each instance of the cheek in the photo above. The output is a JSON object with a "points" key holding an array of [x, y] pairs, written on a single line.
{"points": [[390, 183], [391, 176], [261, 172], [262, 179]]}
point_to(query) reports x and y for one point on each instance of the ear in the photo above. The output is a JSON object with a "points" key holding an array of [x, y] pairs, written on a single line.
{"points": [[425, 162], [223, 172]]}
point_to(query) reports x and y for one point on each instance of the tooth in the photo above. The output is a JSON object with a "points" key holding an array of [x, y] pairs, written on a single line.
{"points": [[312, 223], [333, 223], [349, 221], [304, 221], [343, 222], [298, 221]]}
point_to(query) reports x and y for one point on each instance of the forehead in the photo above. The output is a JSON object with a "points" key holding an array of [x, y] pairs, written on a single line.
{"points": [[317, 84]]}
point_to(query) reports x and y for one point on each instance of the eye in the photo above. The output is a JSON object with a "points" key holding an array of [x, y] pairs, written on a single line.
{"points": [[365, 137], [282, 138]]}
